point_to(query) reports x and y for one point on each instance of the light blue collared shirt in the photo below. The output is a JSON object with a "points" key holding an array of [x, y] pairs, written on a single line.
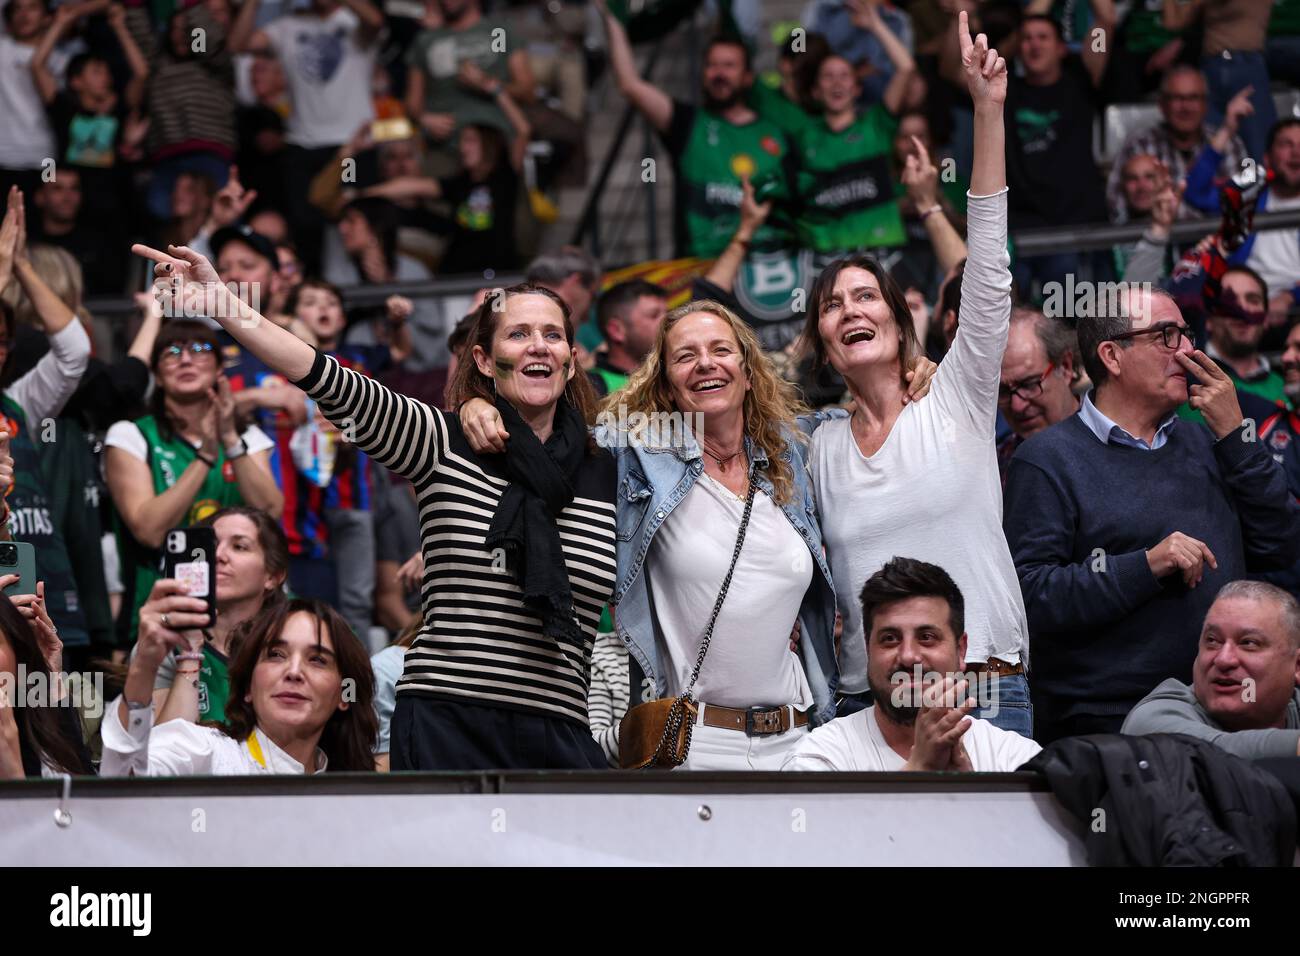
{"points": [[1108, 432]]}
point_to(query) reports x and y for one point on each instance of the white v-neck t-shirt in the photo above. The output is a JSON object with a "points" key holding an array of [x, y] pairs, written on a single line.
{"points": [[749, 662], [932, 491], [856, 743]]}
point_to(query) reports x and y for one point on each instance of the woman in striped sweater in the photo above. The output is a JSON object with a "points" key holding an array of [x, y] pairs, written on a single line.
{"points": [[518, 547]]}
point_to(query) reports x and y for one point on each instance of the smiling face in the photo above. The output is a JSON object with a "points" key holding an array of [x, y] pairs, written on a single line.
{"points": [[837, 86], [1024, 363], [531, 358], [725, 77], [322, 312], [1247, 666], [705, 365], [906, 633], [1041, 50], [241, 562], [1141, 181], [1284, 159], [856, 324], [297, 685], [187, 376], [1234, 338], [25, 18]]}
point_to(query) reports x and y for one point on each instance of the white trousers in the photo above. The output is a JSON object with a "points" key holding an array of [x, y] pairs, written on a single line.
{"points": [[717, 748]]}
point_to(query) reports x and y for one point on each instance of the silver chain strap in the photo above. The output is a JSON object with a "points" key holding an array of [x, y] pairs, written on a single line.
{"points": [[678, 712]]}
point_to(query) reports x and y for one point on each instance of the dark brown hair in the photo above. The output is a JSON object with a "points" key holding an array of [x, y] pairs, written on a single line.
{"points": [[349, 736], [469, 382], [176, 333], [311, 282], [909, 347], [39, 727], [271, 539]]}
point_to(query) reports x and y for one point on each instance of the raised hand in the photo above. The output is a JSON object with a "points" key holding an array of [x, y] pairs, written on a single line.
{"points": [[865, 14], [1238, 108], [32, 607], [986, 71], [6, 463], [9, 230], [1215, 397], [181, 276], [230, 202], [921, 177], [1164, 207], [752, 213]]}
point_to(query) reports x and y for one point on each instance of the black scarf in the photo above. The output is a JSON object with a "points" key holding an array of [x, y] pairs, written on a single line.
{"points": [[541, 486]]}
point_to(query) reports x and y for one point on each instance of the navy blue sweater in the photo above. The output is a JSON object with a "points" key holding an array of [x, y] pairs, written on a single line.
{"points": [[1080, 516]]}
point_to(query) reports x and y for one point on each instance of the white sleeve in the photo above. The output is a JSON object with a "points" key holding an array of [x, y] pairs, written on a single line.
{"points": [[176, 749], [128, 437], [966, 384], [275, 32], [1014, 749], [256, 440], [43, 391]]}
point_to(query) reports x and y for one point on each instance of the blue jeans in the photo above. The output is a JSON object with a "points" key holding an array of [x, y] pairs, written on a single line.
{"points": [[1011, 708], [1225, 76]]}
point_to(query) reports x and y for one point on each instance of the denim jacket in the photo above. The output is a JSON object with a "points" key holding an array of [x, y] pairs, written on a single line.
{"points": [[651, 482]]}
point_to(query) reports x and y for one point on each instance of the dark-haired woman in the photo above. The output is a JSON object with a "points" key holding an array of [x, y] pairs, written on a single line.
{"points": [[518, 547], [301, 695], [182, 462], [921, 480], [38, 737], [252, 563]]}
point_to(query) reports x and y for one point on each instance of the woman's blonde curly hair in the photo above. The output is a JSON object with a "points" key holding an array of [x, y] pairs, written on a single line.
{"points": [[770, 406]]}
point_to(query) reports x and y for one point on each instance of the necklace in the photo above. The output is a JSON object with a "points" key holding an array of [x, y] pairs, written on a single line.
{"points": [[723, 459]]}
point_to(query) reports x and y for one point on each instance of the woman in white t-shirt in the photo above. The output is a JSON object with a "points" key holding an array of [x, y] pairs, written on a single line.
{"points": [[182, 462], [920, 480], [301, 701]]}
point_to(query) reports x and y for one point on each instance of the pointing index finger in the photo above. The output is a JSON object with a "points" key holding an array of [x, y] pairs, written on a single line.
{"points": [[963, 34], [149, 252]]}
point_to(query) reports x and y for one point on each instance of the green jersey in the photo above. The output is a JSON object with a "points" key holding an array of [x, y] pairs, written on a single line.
{"points": [[845, 193], [169, 456], [33, 518], [1142, 31], [770, 102], [709, 156]]}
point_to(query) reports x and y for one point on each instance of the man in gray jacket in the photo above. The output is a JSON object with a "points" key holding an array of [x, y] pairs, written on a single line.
{"points": [[1243, 697]]}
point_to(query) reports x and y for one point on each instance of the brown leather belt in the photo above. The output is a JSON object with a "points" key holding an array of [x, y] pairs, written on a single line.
{"points": [[996, 667], [755, 722]]}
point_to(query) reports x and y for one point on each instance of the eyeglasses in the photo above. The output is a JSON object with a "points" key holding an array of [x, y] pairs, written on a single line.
{"points": [[1170, 332], [1027, 389], [196, 350]]}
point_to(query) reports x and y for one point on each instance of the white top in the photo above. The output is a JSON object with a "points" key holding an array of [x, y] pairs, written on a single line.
{"points": [[43, 391], [127, 436], [329, 75], [26, 139], [932, 492], [856, 743], [1276, 252], [749, 661], [179, 748]]}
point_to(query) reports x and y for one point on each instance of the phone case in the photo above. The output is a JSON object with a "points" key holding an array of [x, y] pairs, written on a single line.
{"points": [[24, 566], [190, 556]]}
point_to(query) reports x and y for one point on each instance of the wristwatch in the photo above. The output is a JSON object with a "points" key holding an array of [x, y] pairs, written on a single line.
{"points": [[236, 451]]}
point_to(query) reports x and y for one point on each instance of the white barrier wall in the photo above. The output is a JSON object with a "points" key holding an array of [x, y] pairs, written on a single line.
{"points": [[745, 820]]}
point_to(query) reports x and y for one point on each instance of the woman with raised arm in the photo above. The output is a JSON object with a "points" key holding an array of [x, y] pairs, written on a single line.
{"points": [[706, 433], [921, 480], [518, 547], [183, 461], [301, 701]]}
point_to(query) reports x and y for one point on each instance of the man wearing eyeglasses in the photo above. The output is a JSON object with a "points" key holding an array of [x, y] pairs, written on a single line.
{"points": [[1037, 375], [1125, 521]]}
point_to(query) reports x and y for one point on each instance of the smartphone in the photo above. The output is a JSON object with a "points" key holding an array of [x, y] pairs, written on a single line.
{"points": [[190, 556], [19, 557]]}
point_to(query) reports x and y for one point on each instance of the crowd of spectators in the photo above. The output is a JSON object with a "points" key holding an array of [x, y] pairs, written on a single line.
{"points": [[942, 464]]}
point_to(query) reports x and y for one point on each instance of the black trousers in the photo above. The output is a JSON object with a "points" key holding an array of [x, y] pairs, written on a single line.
{"points": [[433, 734]]}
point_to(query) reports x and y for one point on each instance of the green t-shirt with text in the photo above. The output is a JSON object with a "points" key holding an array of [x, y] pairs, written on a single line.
{"points": [[845, 192]]}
